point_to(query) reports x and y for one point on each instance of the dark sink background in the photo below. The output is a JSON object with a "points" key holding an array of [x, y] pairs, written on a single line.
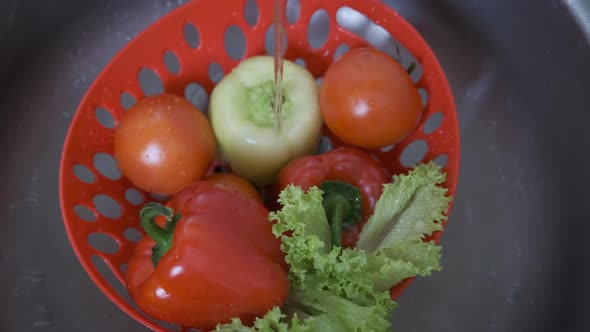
{"points": [[515, 251]]}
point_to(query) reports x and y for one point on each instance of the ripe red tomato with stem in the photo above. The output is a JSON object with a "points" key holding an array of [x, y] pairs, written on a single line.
{"points": [[367, 99], [164, 143]]}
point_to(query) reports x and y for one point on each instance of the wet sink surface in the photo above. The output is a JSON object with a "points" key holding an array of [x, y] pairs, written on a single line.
{"points": [[514, 251]]}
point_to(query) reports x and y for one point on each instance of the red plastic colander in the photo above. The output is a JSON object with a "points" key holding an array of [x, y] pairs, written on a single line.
{"points": [[100, 207]]}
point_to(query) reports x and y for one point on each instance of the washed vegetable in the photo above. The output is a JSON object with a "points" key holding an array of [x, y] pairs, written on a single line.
{"points": [[346, 289], [237, 183], [342, 204], [348, 165], [163, 143], [215, 259], [241, 115], [368, 100]]}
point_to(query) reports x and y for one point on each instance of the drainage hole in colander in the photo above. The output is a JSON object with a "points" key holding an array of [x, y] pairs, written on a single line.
{"points": [[107, 206], [387, 148], [301, 62], [191, 35], [441, 160], [251, 13], [360, 25], [106, 165], [340, 50], [150, 82], [84, 174], [132, 234], [160, 198], [172, 63], [127, 100], [107, 274], [215, 72], [325, 145], [196, 95], [134, 196], [103, 242], [318, 29], [104, 117], [269, 38], [423, 96], [414, 153], [234, 42], [319, 80], [85, 213], [432, 123], [293, 9]]}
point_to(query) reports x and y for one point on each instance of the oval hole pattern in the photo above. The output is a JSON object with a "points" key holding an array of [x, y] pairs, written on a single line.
{"points": [[387, 148], [191, 35], [197, 96], [319, 80], [105, 118], [340, 50], [132, 234], [84, 173], [85, 213], [423, 96], [293, 10], [325, 145], [215, 72], [133, 196], [123, 267], [150, 82], [300, 62], [414, 153], [172, 63], [269, 38], [441, 160], [161, 198], [432, 123], [106, 165], [318, 29], [360, 25], [107, 206], [234, 42], [103, 243], [251, 12], [127, 100]]}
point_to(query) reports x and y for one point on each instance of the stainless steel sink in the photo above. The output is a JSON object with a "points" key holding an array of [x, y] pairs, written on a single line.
{"points": [[515, 250]]}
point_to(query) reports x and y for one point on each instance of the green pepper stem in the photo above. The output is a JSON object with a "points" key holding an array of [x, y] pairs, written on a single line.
{"points": [[162, 236], [342, 204], [336, 224]]}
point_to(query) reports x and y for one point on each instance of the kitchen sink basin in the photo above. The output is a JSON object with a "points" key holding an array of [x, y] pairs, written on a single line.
{"points": [[516, 256]]}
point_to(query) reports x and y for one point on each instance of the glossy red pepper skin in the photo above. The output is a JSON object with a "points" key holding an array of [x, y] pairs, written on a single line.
{"points": [[350, 165], [224, 262]]}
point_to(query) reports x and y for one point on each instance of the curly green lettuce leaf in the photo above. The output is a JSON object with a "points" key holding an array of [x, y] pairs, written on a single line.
{"points": [[389, 266], [316, 311], [411, 207], [346, 289], [325, 311], [340, 271], [274, 321], [304, 215]]}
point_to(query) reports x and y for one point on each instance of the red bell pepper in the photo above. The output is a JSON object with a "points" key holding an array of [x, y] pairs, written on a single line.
{"points": [[349, 165], [215, 259]]}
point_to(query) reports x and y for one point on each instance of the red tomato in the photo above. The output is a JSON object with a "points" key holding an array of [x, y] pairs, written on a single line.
{"points": [[367, 99], [163, 143], [237, 183]]}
